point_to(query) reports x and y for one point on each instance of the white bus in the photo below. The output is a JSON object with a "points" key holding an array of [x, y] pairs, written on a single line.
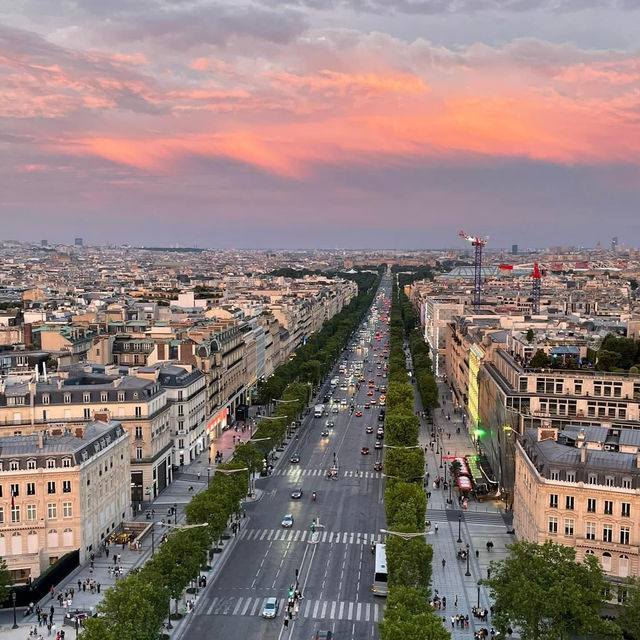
{"points": [[380, 587]]}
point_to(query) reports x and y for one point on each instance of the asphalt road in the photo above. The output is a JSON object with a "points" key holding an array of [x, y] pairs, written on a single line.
{"points": [[335, 566]]}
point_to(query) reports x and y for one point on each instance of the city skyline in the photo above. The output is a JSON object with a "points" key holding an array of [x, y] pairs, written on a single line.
{"points": [[312, 124]]}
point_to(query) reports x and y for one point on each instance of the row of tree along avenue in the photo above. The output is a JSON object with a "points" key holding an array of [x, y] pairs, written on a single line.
{"points": [[138, 605], [408, 614]]}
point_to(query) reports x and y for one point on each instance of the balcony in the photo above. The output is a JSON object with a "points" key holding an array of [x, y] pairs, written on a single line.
{"points": [[611, 547]]}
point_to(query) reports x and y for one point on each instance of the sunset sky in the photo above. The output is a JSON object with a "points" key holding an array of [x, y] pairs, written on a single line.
{"points": [[320, 123]]}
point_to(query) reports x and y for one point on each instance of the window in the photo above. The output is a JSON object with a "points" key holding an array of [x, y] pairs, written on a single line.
{"points": [[138, 412], [120, 396], [606, 561], [66, 510], [626, 483], [591, 505], [568, 527], [51, 463], [593, 478], [67, 398], [46, 398], [51, 487], [610, 481], [52, 510], [623, 566], [104, 396], [625, 509], [66, 462], [31, 464], [577, 387], [553, 525], [1, 515], [571, 476], [15, 514], [138, 433], [31, 488], [554, 474], [607, 533], [87, 414], [66, 486], [31, 512], [553, 500], [138, 453], [14, 465], [180, 409], [15, 490], [569, 502], [625, 534], [590, 531], [86, 397], [608, 507]]}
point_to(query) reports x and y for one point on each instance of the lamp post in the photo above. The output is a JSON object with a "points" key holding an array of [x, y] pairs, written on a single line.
{"points": [[208, 478], [459, 540], [441, 450], [478, 605], [175, 513], [13, 598], [467, 573], [153, 538]]}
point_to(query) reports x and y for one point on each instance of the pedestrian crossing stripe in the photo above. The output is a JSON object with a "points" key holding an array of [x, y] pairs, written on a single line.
{"points": [[313, 609], [304, 535], [294, 472]]}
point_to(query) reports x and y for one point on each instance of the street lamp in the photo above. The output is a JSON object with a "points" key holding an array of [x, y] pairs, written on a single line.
{"points": [[402, 534], [467, 573], [459, 540], [13, 598], [478, 605]]}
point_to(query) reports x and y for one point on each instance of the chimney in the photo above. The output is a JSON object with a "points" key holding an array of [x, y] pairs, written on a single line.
{"points": [[102, 416], [40, 439], [583, 454], [580, 442], [78, 431]]}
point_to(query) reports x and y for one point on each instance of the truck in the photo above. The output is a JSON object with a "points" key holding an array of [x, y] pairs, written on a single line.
{"points": [[319, 411]]}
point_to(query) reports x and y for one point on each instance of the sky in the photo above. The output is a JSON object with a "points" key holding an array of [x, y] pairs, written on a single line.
{"points": [[320, 123]]}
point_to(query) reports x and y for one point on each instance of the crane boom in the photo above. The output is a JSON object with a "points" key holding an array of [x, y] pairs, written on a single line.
{"points": [[478, 243]]}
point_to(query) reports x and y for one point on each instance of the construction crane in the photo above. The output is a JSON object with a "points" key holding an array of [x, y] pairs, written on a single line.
{"points": [[478, 243], [537, 271]]}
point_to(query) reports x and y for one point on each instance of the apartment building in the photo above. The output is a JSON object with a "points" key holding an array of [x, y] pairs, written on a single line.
{"points": [[61, 490], [139, 404], [580, 487], [186, 394], [435, 314]]}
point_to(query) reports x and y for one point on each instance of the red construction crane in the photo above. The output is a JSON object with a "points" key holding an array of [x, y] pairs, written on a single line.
{"points": [[478, 243], [537, 271]]}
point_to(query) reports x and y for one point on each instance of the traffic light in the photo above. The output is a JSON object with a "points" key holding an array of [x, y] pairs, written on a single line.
{"points": [[291, 592]]}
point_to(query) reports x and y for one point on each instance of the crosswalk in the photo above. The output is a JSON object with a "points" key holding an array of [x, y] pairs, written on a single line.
{"points": [[469, 517], [304, 535], [296, 472], [313, 609]]}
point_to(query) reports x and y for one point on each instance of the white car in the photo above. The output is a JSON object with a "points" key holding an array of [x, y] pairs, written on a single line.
{"points": [[343, 401], [270, 608], [287, 521]]}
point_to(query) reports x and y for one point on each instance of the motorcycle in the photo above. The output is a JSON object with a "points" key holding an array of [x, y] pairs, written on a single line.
{"points": [[313, 496]]}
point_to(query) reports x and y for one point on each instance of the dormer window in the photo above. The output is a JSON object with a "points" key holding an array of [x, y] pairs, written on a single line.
{"points": [[51, 463], [135, 395], [66, 462], [120, 396], [31, 463], [46, 398], [86, 397], [14, 465], [67, 398], [104, 396]]}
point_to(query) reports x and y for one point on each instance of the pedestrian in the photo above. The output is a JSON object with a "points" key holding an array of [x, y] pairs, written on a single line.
{"points": [[453, 621], [477, 553], [84, 585], [444, 602], [444, 563], [49, 629], [286, 623], [98, 587], [436, 527], [53, 627], [52, 591], [79, 585], [455, 601]]}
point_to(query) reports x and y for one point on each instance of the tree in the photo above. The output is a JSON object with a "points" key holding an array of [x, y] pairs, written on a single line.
{"points": [[5, 580], [629, 615], [530, 336], [540, 359], [543, 591], [409, 563], [402, 427], [607, 360], [406, 505], [405, 464], [133, 610]]}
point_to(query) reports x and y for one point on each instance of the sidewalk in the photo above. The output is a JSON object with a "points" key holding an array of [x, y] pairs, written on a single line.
{"points": [[478, 524], [177, 493]]}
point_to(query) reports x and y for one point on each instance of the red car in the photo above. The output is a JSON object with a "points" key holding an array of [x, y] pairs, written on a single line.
{"points": [[358, 414]]}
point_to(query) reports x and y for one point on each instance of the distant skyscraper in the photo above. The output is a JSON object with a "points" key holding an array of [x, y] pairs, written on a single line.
{"points": [[78, 242], [614, 243], [44, 243], [514, 249]]}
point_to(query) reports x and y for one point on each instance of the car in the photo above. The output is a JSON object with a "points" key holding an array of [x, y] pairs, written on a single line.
{"points": [[334, 410], [373, 401], [329, 423], [296, 494], [365, 451], [369, 429], [325, 433], [377, 466], [367, 406], [322, 634], [295, 458], [358, 414], [379, 374], [379, 436], [287, 521], [369, 393], [378, 444], [343, 401]]}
